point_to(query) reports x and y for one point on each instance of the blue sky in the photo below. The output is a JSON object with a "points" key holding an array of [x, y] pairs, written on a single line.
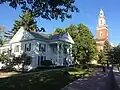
{"points": [[89, 10]]}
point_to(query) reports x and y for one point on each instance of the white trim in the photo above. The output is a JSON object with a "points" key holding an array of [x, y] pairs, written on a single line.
{"points": [[99, 28]]}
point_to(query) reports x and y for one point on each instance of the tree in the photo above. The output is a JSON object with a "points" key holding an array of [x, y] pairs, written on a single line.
{"points": [[85, 46], [23, 60], [1, 35], [27, 20], [106, 50], [59, 30], [46, 9], [114, 55], [101, 57]]}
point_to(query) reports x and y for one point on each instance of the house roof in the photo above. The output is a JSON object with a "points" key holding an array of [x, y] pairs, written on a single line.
{"points": [[39, 35], [62, 36], [57, 36]]}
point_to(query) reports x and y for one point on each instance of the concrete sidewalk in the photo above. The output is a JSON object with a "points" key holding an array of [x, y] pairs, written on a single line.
{"points": [[117, 78]]}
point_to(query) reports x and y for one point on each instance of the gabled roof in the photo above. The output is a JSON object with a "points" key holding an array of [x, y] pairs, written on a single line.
{"points": [[62, 36], [57, 36], [39, 35]]}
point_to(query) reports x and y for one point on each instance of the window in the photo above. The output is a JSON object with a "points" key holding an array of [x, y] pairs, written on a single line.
{"points": [[27, 47], [65, 49], [16, 48], [60, 48], [5, 50], [100, 33], [42, 47], [101, 21], [28, 61]]}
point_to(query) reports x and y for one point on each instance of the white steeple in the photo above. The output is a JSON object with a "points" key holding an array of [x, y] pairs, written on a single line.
{"points": [[101, 13], [101, 19]]}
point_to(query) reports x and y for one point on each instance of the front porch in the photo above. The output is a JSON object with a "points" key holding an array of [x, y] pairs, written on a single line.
{"points": [[61, 53]]}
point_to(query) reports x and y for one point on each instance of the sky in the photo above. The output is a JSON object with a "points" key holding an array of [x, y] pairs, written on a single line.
{"points": [[88, 15]]}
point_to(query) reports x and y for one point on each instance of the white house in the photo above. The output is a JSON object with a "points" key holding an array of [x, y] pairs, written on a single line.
{"points": [[39, 46]]}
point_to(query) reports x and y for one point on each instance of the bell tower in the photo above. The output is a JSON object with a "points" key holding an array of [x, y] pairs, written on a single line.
{"points": [[102, 31]]}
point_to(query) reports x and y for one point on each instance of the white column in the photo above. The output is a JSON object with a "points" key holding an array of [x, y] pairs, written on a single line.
{"points": [[71, 53], [62, 56], [58, 63], [71, 50]]}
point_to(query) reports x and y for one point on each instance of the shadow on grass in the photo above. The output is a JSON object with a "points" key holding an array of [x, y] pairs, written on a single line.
{"points": [[51, 80]]}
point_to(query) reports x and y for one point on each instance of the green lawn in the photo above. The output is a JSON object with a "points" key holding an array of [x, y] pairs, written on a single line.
{"points": [[51, 80]]}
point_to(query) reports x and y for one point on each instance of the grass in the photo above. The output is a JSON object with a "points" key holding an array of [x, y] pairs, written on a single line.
{"points": [[51, 80]]}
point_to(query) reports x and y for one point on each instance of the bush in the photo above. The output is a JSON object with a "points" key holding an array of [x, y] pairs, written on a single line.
{"points": [[46, 62], [7, 69]]}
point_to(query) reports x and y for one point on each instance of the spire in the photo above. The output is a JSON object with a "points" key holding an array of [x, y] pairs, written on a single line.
{"points": [[101, 19], [101, 13]]}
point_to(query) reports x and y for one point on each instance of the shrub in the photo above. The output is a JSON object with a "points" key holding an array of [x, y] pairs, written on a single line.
{"points": [[46, 62], [7, 69]]}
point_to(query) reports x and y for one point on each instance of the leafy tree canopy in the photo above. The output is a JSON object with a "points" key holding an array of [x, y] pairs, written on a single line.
{"points": [[27, 20], [47, 9], [104, 54], [114, 55], [59, 30]]}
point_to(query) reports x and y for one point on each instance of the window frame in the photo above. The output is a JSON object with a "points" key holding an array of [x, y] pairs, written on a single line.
{"points": [[17, 48]]}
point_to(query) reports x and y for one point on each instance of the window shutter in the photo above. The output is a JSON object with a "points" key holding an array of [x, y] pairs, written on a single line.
{"points": [[29, 46], [25, 47], [39, 47], [44, 47], [44, 57]]}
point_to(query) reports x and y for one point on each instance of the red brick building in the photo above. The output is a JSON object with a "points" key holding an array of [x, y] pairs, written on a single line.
{"points": [[102, 31]]}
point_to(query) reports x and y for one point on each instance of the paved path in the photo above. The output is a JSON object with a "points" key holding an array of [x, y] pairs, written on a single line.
{"points": [[7, 74], [96, 82], [117, 78]]}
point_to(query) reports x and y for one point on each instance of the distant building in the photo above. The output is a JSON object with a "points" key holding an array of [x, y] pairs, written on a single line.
{"points": [[39, 47], [102, 31]]}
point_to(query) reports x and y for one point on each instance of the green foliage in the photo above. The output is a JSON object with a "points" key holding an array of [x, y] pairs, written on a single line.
{"points": [[10, 63], [27, 20], [84, 49], [5, 59], [46, 62], [101, 57], [104, 55], [59, 30], [46, 9], [1, 37], [114, 55]]}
